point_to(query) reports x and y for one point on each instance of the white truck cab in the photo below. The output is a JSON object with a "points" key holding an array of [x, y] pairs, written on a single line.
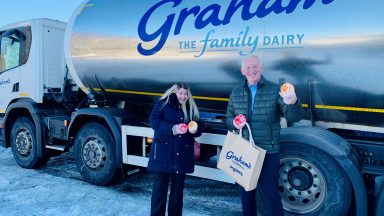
{"points": [[31, 60]]}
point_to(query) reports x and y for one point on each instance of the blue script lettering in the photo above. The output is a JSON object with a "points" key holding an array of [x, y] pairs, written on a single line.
{"points": [[235, 170], [162, 32], [230, 42], [231, 156], [207, 16], [3, 82]]}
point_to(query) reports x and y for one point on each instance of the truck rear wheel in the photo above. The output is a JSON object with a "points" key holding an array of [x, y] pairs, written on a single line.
{"points": [[311, 182], [23, 143], [380, 201], [95, 154]]}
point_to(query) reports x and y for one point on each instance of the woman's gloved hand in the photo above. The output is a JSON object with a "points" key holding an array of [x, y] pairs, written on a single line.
{"points": [[180, 129], [192, 127]]}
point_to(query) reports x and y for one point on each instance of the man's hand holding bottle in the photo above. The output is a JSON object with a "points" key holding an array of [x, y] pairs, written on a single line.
{"points": [[239, 121]]}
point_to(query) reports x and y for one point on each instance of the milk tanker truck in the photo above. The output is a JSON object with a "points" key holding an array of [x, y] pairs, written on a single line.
{"points": [[90, 85]]}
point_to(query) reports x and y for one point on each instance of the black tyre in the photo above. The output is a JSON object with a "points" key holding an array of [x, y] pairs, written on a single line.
{"points": [[380, 202], [95, 154], [311, 182], [23, 143]]}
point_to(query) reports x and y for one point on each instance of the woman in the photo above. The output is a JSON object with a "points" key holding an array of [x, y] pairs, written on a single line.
{"points": [[172, 151]]}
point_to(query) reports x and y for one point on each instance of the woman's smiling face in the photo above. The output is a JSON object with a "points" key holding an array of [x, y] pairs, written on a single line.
{"points": [[182, 95]]}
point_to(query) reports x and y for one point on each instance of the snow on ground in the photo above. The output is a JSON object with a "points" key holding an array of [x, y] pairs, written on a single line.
{"points": [[58, 189]]}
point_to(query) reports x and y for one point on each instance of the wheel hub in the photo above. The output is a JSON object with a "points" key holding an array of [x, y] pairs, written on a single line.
{"points": [[94, 153], [302, 186], [24, 142], [300, 178]]}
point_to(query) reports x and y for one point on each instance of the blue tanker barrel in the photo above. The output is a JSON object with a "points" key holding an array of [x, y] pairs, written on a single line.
{"points": [[138, 49]]}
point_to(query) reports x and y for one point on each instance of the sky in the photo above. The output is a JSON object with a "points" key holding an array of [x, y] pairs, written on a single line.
{"points": [[20, 10]]}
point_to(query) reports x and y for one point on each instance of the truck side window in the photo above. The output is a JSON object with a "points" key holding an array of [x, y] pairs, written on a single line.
{"points": [[15, 46]]}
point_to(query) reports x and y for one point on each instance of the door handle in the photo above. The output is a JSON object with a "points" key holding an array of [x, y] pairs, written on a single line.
{"points": [[15, 87]]}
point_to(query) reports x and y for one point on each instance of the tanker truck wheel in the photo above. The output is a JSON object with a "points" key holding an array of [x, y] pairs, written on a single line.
{"points": [[95, 154], [380, 202], [23, 143], [311, 182]]}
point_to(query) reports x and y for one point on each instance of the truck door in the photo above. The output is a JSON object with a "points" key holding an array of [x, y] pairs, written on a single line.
{"points": [[14, 51]]}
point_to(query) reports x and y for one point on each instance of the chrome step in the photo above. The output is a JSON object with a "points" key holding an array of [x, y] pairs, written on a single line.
{"points": [[56, 147]]}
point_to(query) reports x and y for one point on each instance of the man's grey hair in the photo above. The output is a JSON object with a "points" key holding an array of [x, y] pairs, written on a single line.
{"points": [[249, 57]]}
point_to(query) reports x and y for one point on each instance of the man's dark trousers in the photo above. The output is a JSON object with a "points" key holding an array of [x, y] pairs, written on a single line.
{"points": [[160, 191], [268, 186]]}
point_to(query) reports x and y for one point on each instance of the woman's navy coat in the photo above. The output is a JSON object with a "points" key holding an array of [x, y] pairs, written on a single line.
{"points": [[171, 153]]}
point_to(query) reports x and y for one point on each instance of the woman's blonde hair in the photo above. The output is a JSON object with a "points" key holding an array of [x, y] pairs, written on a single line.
{"points": [[193, 110]]}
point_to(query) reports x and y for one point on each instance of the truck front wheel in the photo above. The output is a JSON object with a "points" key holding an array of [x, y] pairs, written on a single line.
{"points": [[311, 182], [95, 154], [23, 143]]}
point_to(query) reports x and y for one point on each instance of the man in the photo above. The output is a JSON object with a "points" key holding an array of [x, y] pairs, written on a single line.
{"points": [[260, 103]]}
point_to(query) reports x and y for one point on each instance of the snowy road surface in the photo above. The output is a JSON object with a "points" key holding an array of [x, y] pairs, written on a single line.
{"points": [[58, 189]]}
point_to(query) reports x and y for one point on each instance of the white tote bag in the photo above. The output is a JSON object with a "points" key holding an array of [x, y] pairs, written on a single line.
{"points": [[241, 159]]}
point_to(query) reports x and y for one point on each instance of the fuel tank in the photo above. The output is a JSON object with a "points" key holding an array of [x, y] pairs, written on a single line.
{"points": [[332, 51]]}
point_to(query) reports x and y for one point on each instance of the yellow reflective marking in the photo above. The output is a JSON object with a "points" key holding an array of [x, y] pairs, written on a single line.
{"points": [[357, 109], [23, 94], [156, 94], [210, 98], [2, 111], [132, 92]]}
